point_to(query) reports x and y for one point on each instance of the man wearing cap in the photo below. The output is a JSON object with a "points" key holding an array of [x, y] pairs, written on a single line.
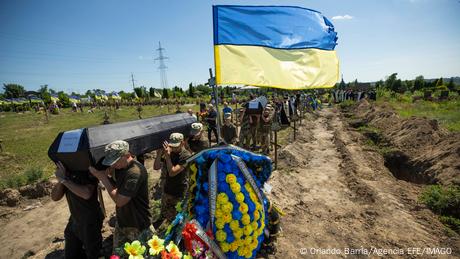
{"points": [[229, 130], [195, 142], [171, 160], [211, 119], [82, 234], [128, 188]]}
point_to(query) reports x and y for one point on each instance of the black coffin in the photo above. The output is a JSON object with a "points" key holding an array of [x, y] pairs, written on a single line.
{"points": [[142, 135], [257, 105]]}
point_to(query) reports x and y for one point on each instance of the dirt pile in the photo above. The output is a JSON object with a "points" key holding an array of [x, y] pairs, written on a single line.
{"points": [[424, 152], [12, 197]]}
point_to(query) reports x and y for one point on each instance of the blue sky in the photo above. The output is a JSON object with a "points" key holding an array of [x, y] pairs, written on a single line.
{"points": [[88, 44]]}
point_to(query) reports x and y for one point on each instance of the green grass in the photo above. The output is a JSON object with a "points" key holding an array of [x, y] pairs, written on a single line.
{"points": [[444, 201], [26, 138], [446, 112]]}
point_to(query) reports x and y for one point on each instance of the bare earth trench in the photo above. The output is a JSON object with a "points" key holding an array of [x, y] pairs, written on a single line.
{"points": [[338, 198]]}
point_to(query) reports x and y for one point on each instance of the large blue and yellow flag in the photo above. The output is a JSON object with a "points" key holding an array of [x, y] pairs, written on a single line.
{"points": [[274, 46]]}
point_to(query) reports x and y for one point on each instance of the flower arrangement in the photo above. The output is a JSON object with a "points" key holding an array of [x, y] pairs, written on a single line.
{"points": [[157, 249], [235, 229], [240, 215]]}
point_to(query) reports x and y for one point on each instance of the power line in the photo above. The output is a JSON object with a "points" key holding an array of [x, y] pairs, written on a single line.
{"points": [[162, 67]]}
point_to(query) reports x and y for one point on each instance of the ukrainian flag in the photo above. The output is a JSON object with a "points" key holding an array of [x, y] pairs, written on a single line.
{"points": [[274, 46]]}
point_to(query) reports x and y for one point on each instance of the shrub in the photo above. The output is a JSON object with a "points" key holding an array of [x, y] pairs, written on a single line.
{"points": [[33, 174], [444, 201]]}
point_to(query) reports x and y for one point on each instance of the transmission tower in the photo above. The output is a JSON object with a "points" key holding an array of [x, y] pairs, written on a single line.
{"points": [[162, 67]]}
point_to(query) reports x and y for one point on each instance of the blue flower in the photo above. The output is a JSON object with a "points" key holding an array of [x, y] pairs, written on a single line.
{"points": [[236, 214], [205, 186], [225, 158]]}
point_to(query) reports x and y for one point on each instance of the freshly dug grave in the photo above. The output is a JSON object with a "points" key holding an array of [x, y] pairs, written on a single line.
{"points": [[421, 150]]}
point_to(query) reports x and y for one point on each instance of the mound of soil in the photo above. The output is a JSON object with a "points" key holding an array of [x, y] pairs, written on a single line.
{"points": [[429, 151]]}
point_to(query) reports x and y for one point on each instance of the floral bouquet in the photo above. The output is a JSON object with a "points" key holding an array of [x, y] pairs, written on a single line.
{"points": [[224, 214], [226, 200]]}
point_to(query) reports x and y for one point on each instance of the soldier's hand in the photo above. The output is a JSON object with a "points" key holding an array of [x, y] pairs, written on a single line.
{"points": [[60, 171], [166, 148]]}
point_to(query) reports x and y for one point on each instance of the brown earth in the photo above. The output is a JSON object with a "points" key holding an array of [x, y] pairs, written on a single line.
{"points": [[431, 153], [334, 190], [338, 194]]}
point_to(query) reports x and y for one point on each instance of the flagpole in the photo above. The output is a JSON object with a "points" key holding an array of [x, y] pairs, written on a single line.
{"points": [[212, 79], [212, 83]]}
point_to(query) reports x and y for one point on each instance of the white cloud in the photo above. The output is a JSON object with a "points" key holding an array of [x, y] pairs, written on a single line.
{"points": [[342, 17]]}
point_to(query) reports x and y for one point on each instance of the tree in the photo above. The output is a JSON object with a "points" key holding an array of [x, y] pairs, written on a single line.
{"points": [[451, 84], [342, 84], [140, 91], [44, 93], [397, 86], [439, 82], [152, 92], [191, 92], [165, 93], [390, 81], [419, 83], [64, 99], [205, 90], [13, 90]]}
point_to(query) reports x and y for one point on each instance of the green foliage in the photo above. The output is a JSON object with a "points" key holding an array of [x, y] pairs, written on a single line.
{"points": [[452, 222], [191, 90], [64, 99], [347, 103], [442, 200], [165, 94], [439, 82], [141, 91], [33, 174], [13, 90], [204, 90], [451, 84], [30, 176], [419, 83]]}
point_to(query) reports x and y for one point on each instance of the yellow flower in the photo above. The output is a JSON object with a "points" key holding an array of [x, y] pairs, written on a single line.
{"points": [[227, 207], [258, 206], [248, 254], [225, 247], [187, 256], [220, 223], [219, 213], [222, 198], [239, 197], [256, 215], [230, 178], [241, 251], [245, 219], [247, 241], [254, 225], [135, 250], [238, 233], [174, 250], [236, 187], [233, 246], [227, 218], [253, 197], [243, 208], [221, 235], [254, 243], [156, 245], [248, 230], [234, 225]]}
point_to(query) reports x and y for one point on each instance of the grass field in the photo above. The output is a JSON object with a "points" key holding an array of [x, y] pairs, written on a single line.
{"points": [[27, 136], [446, 112]]}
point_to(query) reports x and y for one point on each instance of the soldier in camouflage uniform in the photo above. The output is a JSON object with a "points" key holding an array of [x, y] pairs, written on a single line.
{"points": [[244, 129]]}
